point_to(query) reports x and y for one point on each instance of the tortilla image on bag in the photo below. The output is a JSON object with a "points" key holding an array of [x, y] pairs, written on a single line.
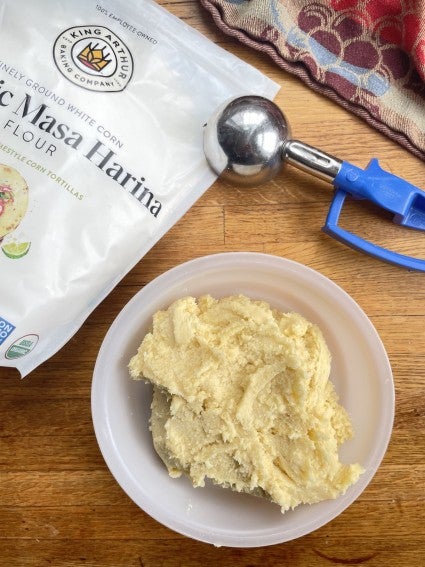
{"points": [[13, 199]]}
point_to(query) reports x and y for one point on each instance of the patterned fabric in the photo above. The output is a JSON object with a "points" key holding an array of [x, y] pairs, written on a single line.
{"points": [[369, 56]]}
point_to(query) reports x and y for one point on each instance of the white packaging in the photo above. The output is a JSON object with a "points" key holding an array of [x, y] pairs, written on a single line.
{"points": [[101, 112]]}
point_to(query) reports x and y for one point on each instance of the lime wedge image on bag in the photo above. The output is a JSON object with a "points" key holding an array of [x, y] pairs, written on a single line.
{"points": [[104, 126], [16, 250]]}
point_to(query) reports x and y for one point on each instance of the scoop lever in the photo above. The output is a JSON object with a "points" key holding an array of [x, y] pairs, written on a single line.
{"points": [[386, 190]]}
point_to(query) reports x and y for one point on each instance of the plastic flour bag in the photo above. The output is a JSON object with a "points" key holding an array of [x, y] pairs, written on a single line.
{"points": [[101, 112]]}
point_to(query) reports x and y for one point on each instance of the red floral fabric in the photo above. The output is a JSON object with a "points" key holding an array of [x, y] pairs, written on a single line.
{"points": [[396, 22], [368, 55]]}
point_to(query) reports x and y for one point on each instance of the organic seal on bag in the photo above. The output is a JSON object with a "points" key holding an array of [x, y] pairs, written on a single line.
{"points": [[101, 114]]}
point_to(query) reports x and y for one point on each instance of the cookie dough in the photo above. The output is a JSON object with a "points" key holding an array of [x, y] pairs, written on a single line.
{"points": [[242, 397]]}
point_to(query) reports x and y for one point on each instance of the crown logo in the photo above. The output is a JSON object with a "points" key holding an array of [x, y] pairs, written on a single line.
{"points": [[93, 57]]}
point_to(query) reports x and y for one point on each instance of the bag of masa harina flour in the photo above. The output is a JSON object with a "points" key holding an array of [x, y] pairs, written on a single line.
{"points": [[101, 112]]}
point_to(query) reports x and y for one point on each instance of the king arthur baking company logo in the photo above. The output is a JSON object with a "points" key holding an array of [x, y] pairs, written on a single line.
{"points": [[94, 58]]}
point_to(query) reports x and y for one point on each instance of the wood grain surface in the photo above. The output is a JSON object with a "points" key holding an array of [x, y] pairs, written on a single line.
{"points": [[59, 504]]}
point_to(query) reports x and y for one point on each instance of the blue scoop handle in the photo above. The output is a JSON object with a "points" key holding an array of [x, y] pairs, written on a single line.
{"points": [[405, 201], [386, 190]]}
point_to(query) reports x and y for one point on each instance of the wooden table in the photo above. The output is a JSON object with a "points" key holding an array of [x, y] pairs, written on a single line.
{"points": [[59, 504]]}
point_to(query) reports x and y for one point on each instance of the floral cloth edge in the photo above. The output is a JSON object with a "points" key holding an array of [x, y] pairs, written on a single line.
{"points": [[368, 56]]}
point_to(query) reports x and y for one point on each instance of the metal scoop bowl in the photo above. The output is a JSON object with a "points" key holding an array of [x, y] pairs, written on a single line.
{"points": [[247, 140]]}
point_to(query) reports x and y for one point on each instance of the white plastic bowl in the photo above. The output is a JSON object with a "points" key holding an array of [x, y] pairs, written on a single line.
{"points": [[120, 406]]}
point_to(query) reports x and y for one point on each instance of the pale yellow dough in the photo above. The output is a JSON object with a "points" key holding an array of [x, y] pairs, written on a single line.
{"points": [[242, 397]]}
